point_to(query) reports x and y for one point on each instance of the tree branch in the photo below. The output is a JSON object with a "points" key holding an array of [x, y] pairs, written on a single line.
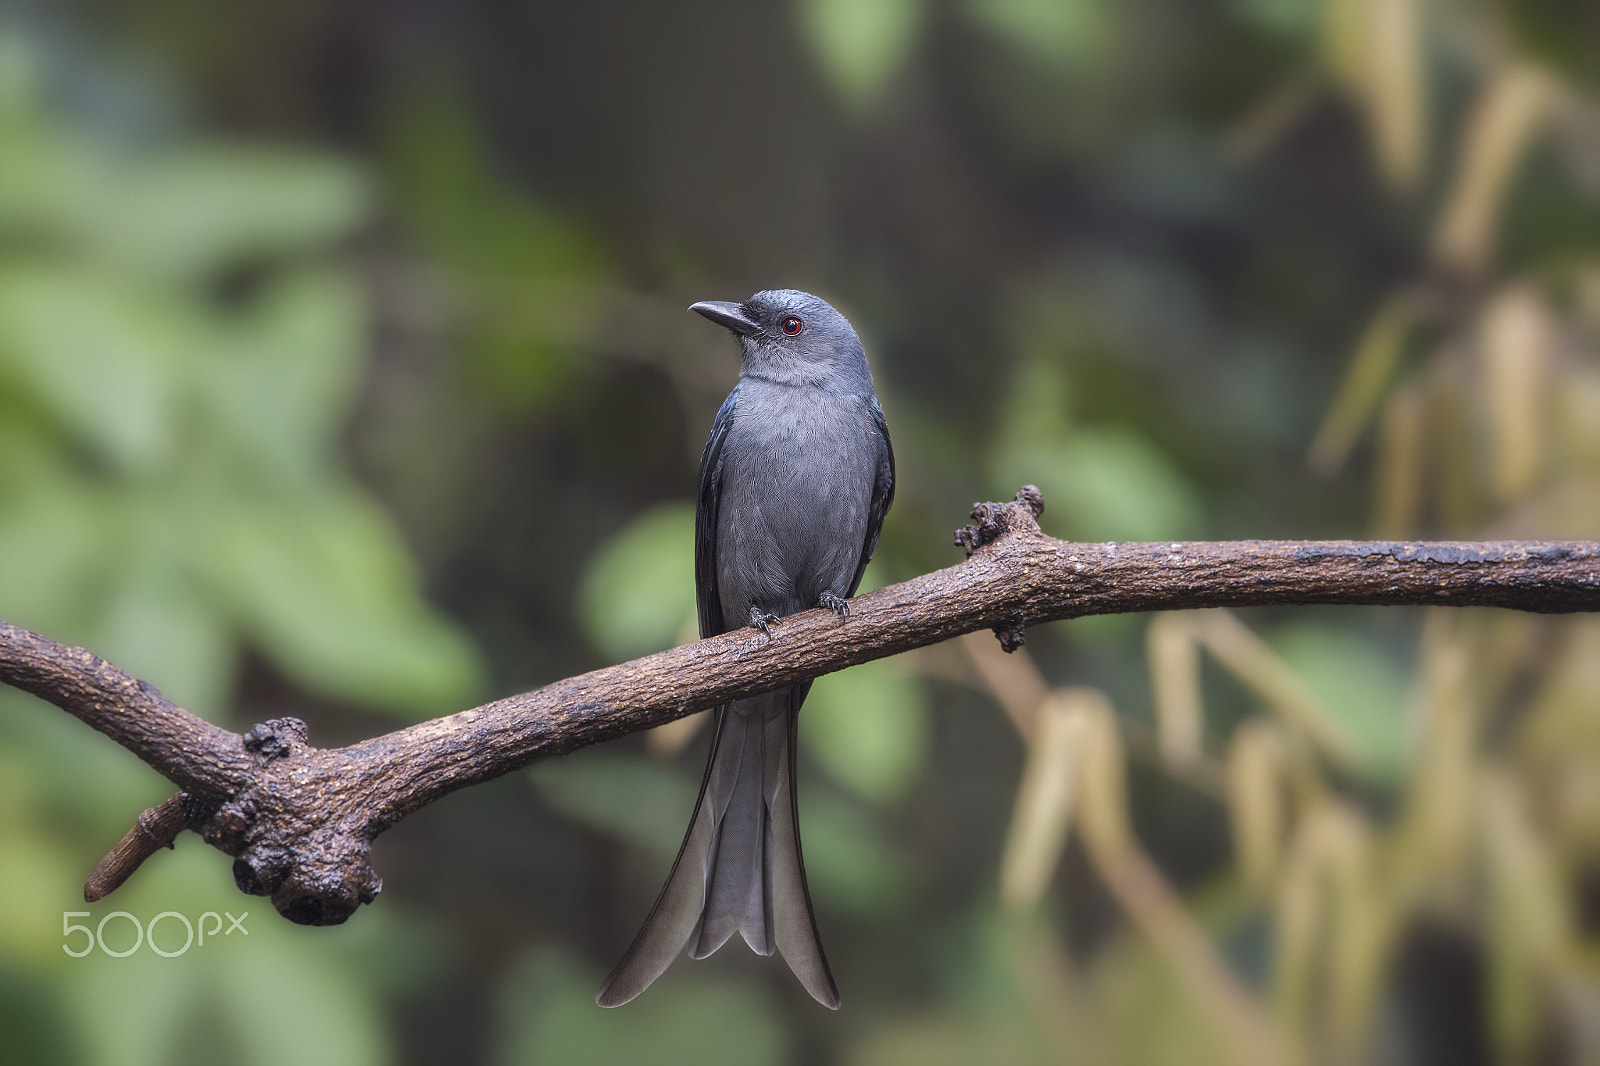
{"points": [[300, 820], [156, 828]]}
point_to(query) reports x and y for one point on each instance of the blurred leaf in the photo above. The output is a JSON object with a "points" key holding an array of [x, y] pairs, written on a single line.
{"points": [[638, 588], [1301, 914], [1158, 1020], [1066, 32], [1046, 797], [1262, 670], [1529, 924], [177, 216], [545, 1015], [1363, 684], [1107, 484], [38, 864], [1559, 34], [639, 800], [21, 73], [131, 1013], [1372, 364], [868, 727], [1174, 662], [1036, 407], [1099, 483], [861, 44], [51, 179], [1397, 84], [1361, 934], [1400, 465], [1375, 47], [57, 531], [850, 864], [942, 1040], [326, 586], [478, 223], [161, 630], [207, 1005], [1499, 128], [1256, 807], [101, 358], [336, 1020], [524, 283], [90, 787], [1102, 797], [285, 371], [37, 1028], [1516, 340], [1296, 18], [189, 214]]}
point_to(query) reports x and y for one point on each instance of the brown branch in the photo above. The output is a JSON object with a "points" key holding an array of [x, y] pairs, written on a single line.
{"points": [[156, 828], [300, 820]]}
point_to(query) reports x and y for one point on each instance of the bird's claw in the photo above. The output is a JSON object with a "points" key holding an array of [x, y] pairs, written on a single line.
{"points": [[760, 619], [837, 604]]}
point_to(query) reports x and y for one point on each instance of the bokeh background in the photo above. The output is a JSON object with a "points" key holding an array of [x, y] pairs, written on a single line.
{"points": [[345, 373]]}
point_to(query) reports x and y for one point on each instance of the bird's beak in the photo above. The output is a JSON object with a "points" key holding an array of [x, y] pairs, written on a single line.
{"points": [[727, 315]]}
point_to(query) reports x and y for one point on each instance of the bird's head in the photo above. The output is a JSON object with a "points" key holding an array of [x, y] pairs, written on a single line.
{"points": [[791, 337]]}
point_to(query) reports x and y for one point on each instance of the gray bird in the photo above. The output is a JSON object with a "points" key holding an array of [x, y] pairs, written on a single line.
{"points": [[794, 483]]}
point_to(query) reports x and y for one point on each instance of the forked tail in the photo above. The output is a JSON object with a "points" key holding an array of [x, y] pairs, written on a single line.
{"points": [[739, 869]]}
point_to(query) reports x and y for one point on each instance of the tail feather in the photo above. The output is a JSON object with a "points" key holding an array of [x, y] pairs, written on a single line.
{"points": [[737, 888], [740, 867]]}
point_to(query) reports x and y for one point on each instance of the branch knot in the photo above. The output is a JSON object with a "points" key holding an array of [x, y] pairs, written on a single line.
{"points": [[276, 738], [995, 520], [1012, 635]]}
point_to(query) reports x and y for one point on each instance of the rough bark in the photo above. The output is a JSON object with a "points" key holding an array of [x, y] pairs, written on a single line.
{"points": [[300, 820]]}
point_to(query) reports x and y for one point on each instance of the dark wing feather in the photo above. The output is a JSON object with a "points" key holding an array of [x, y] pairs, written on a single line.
{"points": [[708, 503], [882, 496]]}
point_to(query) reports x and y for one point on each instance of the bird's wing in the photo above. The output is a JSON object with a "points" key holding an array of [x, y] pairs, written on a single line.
{"points": [[708, 503], [882, 495]]}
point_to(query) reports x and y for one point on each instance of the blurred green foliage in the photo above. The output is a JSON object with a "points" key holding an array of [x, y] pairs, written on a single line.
{"points": [[255, 398], [176, 362], [638, 588], [547, 1014], [179, 349]]}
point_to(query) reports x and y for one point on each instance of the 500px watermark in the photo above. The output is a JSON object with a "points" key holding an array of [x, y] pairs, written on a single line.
{"points": [[146, 934]]}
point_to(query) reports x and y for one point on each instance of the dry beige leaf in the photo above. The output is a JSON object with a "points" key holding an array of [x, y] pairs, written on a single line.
{"points": [[1012, 678], [1394, 89], [1371, 366], [1499, 128], [1256, 800], [1259, 668], [1375, 50], [1175, 687], [1103, 789], [1431, 842], [1530, 922], [1398, 478], [1515, 340], [1045, 797]]}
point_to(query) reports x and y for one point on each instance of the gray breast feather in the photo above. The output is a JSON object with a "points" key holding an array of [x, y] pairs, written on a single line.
{"points": [[800, 482]]}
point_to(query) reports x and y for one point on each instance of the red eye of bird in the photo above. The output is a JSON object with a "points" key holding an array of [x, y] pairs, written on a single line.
{"points": [[791, 326]]}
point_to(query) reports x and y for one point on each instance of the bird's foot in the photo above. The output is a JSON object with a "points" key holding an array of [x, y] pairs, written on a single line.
{"points": [[837, 604], [760, 619]]}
